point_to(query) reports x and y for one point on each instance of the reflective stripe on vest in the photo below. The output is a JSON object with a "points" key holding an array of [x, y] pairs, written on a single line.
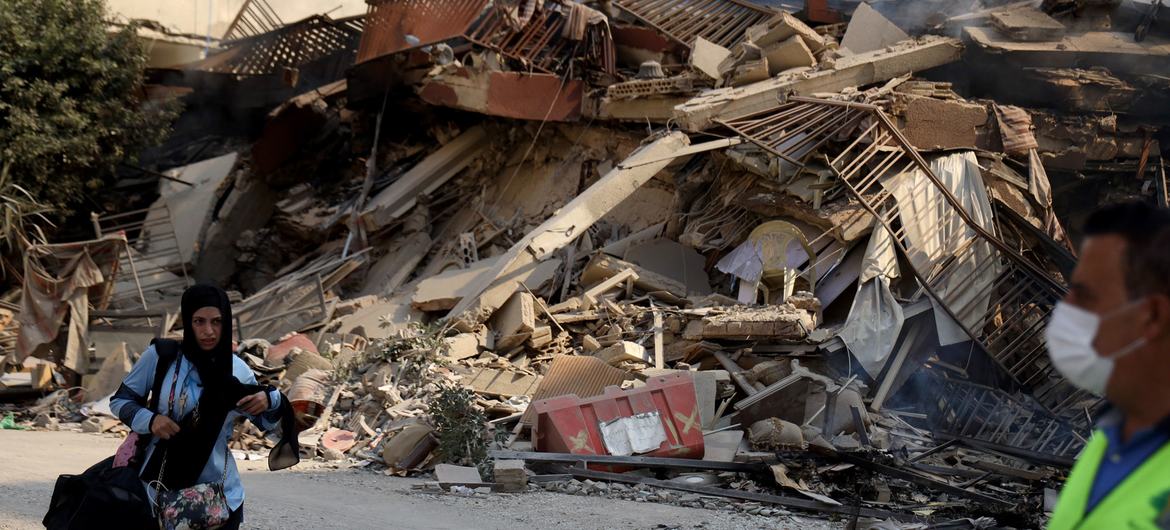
{"points": [[1140, 501]]}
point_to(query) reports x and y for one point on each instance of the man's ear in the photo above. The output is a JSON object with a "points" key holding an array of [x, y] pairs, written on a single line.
{"points": [[1157, 325]]}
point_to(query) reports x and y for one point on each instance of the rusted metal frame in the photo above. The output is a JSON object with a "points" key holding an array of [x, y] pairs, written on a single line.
{"points": [[725, 29], [658, 9], [850, 123], [757, 118], [730, 32], [800, 117], [690, 19], [1028, 358], [799, 136], [1020, 337], [865, 155], [762, 145], [808, 124], [534, 37], [693, 20], [882, 168], [137, 225], [857, 164], [124, 214], [654, 25], [995, 336], [856, 141], [845, 121]]}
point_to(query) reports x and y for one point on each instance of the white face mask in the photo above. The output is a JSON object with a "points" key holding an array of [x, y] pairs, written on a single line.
{"points": [[1070, 335]]}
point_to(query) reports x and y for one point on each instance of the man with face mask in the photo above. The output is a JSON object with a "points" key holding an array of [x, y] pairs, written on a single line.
{"points": [[1111, 336]]}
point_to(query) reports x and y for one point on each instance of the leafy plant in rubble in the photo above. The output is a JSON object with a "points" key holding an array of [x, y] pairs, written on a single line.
{"points": [[461, 428], [71, 98], [416, 348]]}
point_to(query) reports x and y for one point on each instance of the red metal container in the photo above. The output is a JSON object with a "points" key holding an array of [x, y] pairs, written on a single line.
{"points": [[569, 424]]}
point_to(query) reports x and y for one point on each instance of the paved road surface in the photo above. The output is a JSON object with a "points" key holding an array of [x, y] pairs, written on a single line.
{"points": [[313, 495]]}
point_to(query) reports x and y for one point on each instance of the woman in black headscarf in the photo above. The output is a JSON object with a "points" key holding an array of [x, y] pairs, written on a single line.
{"points": [[205, 388]]}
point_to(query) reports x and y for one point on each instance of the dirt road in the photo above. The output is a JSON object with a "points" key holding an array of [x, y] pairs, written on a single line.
{"points": [[314, 495]]}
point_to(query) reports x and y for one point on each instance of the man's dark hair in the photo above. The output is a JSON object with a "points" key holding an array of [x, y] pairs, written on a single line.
{"points": [[1146, 230]]}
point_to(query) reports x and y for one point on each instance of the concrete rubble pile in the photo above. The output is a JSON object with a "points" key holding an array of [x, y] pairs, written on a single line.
{"points": [[714, 253]]}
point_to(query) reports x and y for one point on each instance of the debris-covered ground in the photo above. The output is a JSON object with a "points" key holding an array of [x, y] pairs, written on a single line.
{"points": [[765, 257]]}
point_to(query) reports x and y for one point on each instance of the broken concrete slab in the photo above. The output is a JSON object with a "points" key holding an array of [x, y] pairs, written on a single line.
{"points": [[1027, 24], [109, 377], [425, 177], [494, 288], [494, 382], [706, 57], [381, 320], [462, 346], [852, 71], [515, 321], [444, 291], [792, 53], [722, 446], [931, 123], [869, 31], [449, 474], [510, 475], [770, 322], [395, 268], [783, 27], [191, 206], [624, 351], [673, 260], [602, 267], [1113, 50]]}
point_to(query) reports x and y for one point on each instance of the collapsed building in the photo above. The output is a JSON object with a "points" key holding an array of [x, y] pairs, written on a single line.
{"points": [[809, 254]]}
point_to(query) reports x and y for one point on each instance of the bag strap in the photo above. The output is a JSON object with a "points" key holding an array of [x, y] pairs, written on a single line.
{"points": [[167, 351]]}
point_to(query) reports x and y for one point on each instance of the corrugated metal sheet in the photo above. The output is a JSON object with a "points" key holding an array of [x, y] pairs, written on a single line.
{"points": [[582, 375], [389, 23], [720, 21]]}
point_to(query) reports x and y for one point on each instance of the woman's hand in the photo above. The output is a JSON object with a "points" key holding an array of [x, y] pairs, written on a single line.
{"points": [[254, 404], [163, 427]]}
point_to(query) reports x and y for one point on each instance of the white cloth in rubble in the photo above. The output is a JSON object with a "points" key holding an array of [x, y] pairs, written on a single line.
{"points": [[939, 242], [875, 320]]}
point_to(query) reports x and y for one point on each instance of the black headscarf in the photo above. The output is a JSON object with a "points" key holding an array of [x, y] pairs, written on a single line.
{"points": [[191, 448]]}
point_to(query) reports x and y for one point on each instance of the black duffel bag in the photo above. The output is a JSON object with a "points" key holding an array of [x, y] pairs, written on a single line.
{"points": [[101, 497]]}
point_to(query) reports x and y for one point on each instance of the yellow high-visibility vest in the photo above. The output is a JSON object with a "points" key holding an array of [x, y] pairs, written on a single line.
{"points": [[1140, 501]]}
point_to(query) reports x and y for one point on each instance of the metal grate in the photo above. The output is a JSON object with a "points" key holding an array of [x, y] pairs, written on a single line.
{"points": [[1010, 326], [287, 47], [255, 18], [720, 21], [960, 409], [152, 256]]}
